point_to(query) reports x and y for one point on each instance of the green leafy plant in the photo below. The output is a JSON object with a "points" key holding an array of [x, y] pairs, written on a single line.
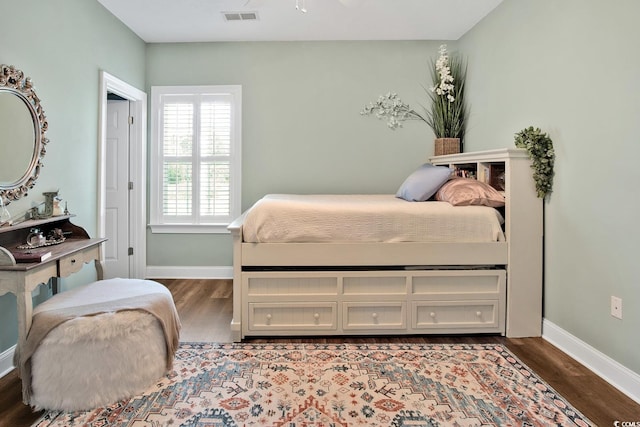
{"points": [[540, 149], [447, 116]]}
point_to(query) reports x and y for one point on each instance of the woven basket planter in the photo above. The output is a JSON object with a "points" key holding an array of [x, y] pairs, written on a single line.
{"points": [[446, 146]]}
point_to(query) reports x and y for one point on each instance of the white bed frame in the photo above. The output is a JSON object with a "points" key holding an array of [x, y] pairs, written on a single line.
{"points": [[401, 288]]}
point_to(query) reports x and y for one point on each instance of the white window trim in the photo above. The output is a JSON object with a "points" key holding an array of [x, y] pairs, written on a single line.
{"points": [[156, 225]]}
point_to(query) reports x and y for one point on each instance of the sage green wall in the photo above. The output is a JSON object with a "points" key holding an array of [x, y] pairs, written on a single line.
{"points": [[302, 129], [572, 68], [62, 45]]}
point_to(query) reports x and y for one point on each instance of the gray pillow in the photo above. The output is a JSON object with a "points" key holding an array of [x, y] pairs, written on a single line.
{"points": [[423, 183]]}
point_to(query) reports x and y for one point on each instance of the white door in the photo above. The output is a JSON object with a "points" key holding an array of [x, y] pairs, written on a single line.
{"points": [[117, 262]]}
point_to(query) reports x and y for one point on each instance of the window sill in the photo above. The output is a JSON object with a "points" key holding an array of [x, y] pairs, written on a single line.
{"points": [[188, 229]]}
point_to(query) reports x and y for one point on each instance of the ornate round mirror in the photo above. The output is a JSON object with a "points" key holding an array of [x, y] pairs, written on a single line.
{"points": [[22, 134]]}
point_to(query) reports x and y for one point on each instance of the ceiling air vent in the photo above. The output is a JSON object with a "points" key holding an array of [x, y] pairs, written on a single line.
{"points": [[240, 16]]}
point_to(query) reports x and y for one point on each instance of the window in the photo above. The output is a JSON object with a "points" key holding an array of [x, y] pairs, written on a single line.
{"points": [[195, 159]]}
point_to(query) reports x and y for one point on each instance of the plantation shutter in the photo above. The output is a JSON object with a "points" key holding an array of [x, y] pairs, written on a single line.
{"points": [[196, 151], [215, 152], [177, 153]]}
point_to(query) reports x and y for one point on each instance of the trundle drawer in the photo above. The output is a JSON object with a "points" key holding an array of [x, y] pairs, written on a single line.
{"points": [[380, 315], [294, 316], [456, 314]]}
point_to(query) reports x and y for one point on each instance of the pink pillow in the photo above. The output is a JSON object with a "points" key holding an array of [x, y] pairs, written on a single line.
{"points": [[468, 191]]}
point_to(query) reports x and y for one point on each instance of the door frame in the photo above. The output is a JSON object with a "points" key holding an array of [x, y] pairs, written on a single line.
{"points": [[137, 167]]}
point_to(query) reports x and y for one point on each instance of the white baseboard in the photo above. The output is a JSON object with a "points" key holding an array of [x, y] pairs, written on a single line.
{"points": [[168, 272], [619, 376], [6, 361]]}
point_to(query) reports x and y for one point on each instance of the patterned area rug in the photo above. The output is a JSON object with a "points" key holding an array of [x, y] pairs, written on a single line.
{"points": [[325, 385]]}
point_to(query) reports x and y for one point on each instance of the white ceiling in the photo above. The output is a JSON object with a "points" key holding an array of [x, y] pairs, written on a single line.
{"points": [[158, 21]]}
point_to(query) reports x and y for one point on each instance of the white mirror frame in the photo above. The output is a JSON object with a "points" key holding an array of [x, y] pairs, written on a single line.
{"points": [[13, 81]]}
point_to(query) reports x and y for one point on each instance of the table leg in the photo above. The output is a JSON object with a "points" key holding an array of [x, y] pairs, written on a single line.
{"points": [[55, 285], [25, 311], [99, 269]]}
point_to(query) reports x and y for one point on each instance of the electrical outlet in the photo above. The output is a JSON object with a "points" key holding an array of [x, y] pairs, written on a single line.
{"points": [[616, 307]]}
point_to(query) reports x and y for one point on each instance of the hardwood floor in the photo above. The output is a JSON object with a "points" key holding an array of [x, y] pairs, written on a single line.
{"points": [[205, 308]]}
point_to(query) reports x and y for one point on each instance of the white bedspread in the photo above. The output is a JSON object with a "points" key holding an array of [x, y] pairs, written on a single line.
{"points": [[279, 218]]}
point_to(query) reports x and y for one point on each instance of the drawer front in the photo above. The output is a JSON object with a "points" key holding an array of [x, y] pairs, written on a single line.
{"points": [[277, 285], [480, 282], [456, 314], [73, 263], [294, 316], [382, 315], [385, 285]]}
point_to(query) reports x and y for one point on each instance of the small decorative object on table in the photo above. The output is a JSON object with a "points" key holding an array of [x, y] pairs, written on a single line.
{"points": [[35, 238], [30, 256], [57, 207], [49, 197], [448, 114], [56, 234], [5, 216]]}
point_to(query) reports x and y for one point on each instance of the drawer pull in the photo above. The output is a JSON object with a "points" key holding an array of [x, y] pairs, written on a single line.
{"points": [[316, 316], [432, 314], [73, 261], [478, 313], [374, 315], [268, 317]]}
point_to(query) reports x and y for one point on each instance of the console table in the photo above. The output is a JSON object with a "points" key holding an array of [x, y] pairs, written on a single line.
{"points": [[66, 258]]}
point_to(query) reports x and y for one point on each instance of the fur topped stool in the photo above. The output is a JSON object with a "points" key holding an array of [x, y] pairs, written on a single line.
{"points": [[97, 344]]}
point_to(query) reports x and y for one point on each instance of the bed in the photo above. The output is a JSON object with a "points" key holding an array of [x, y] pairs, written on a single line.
{"points": [[380, 265]]}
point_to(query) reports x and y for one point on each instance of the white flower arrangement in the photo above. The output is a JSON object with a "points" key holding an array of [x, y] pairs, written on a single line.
{"points": [[448, 113], [445, 86]]}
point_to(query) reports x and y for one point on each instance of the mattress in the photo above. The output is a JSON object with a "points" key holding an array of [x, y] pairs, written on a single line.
{"points": [[283, 218]]}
